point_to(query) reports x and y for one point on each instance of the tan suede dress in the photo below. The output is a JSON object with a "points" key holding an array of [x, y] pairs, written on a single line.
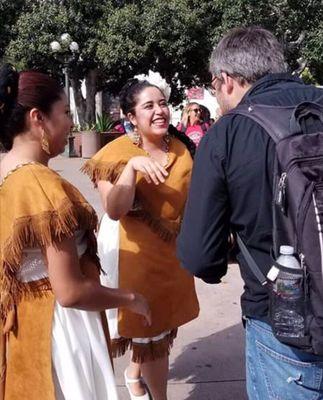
{"points": [[39, 208], [147, 259]]}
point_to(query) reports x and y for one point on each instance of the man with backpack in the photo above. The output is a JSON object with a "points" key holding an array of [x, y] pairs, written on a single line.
{"points": [[258, 173]]}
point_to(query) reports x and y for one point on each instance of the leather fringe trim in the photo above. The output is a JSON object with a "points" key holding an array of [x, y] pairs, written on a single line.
{"points": [[120, 346], [100, 170], [144, 352], [158, 225], [33, 231]]}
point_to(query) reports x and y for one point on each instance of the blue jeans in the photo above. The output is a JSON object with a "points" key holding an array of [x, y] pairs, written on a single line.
{"points": [[279, 372]]}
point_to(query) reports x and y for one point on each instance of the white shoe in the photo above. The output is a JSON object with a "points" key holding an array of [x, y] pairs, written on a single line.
{"points": [[128, 381]]}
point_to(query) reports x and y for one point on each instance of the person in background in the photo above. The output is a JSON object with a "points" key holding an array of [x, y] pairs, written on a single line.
{"points": [[54, 340], [193, 122], [143, 180], [123, 126]]}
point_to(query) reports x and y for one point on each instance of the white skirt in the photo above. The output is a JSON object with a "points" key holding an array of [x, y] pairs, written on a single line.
{"points": [[81, 363]]}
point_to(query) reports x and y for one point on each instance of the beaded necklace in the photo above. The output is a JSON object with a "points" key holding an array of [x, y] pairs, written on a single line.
{"points": [[2, 181], [136, 139]]}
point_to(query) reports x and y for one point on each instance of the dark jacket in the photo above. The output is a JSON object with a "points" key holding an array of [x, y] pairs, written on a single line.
{"points": [[231, 188]]}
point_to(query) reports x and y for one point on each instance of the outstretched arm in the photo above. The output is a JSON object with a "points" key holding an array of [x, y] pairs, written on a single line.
{"points": [[72, 289]]}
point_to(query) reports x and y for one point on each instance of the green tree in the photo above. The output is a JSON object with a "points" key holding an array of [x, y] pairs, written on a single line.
{"points": [[32, 33], [168, 37], [119, 39], [9, 12], [296, 23], [39, 24]]}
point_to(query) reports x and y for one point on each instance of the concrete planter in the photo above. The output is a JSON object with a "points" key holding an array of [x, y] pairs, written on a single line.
{"points": [[78, 143], [108, 136], [90, 143]]}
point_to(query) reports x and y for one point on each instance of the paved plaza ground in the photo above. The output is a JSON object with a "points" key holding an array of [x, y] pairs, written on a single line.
{"points": [[207, 361]]}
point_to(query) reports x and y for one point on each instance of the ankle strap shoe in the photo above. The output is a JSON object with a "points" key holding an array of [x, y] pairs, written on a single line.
{"points": [[128, 382]]}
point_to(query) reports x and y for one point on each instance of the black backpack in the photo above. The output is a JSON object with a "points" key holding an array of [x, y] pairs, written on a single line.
{"points": [[297, 210]]}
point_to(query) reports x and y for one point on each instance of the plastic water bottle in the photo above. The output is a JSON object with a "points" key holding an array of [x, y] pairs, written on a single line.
{"points": [[287, 308]]}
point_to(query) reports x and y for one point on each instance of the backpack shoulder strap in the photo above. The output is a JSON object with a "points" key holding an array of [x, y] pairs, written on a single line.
{"points": [[302, 110], [273, 119], [279, 122]]}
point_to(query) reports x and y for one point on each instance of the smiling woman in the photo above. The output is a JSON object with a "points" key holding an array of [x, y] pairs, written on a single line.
{"points": [[143, 181], [53, 336]]}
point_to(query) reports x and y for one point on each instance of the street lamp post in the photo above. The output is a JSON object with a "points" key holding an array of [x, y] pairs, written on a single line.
{"points": [[66, 50]]}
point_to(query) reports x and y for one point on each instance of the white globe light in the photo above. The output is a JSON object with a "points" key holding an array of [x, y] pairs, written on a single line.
{"points": [[66, 38], [74, 47], [55, 46]]}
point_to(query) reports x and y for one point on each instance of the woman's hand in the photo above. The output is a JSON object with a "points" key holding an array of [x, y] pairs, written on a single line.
{"points": [[151, 169], [139, 305]]}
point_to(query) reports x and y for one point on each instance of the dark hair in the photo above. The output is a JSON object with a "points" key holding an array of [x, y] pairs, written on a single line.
{"points": [[130, 92], [128, 100], [206, 115], [19, 93], [248, 54], [191, 146]]}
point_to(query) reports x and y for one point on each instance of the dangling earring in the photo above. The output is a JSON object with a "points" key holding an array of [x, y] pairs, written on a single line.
{"points": [[45, 143], [136, 138]]}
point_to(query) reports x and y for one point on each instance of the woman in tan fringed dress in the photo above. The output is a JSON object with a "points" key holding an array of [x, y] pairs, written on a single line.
{"points": [[143, 182], [53, 336]]}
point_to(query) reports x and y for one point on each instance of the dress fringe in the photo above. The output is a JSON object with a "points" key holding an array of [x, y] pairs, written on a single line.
{"points": [[166, 230], [144, 352], [100, 170], [33, 231], [110, 171]]}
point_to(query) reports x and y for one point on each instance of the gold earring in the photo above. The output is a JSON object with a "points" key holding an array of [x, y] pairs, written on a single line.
{"points": [[45, 143], [136, 138]]}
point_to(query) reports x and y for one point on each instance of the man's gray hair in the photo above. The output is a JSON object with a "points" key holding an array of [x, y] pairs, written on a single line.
{"points": [[248, 54]]}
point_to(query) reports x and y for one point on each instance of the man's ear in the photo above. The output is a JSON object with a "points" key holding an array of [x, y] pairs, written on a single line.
{"points": [[228, 81]]}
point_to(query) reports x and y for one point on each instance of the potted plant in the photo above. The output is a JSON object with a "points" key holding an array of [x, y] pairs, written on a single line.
{"points": [[90, 141], [104, 125]]}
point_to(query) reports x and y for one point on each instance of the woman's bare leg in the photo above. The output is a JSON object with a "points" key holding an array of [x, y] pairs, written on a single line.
{"points": [[155, 374]]}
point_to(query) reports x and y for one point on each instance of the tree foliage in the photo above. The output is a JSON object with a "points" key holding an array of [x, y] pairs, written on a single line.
{"points": [[9, 12], [32, 33], [121, 38], [162, 36], [296, 23]]}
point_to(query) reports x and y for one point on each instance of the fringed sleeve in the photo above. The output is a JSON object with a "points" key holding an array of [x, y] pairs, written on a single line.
{"points": [[109, 162], [41, 209], [102, 170]]}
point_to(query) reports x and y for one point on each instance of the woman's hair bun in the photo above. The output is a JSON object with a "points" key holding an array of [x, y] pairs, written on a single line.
{"points": [[9, 78], [127, 87], [129, 92]]}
